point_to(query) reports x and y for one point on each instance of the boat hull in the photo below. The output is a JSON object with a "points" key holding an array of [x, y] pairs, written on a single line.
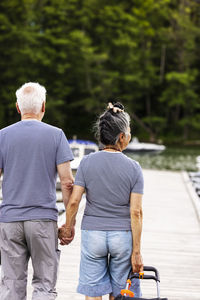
{"points": [[142, 151]]}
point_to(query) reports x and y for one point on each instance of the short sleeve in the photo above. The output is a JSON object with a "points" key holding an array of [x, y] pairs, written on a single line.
{"points": [[64, 152], [79, 179], [138, 186]]}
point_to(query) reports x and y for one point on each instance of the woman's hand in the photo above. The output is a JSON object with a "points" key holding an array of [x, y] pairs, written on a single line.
{"points": [[66, 235], [137, 262]]}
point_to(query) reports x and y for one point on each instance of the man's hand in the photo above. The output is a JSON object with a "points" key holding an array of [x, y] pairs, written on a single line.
{"points": [[137, 263], [66, 235], [69, 184]]}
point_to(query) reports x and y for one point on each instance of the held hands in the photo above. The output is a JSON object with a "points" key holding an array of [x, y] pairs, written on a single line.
{"points": [[66, 235], [137, 262]]}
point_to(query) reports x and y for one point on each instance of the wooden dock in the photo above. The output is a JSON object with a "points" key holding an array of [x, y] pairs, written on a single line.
{"points": [[171, 242]]}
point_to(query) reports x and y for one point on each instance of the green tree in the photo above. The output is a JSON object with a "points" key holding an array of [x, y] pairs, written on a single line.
{"points": [[180, 92], [88, 52]]}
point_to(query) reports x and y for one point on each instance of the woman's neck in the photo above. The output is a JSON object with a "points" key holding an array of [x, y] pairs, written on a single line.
{"points": [[111, 148]]}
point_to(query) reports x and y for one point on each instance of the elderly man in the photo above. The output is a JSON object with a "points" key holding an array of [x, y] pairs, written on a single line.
{"points": [[31, 155]]}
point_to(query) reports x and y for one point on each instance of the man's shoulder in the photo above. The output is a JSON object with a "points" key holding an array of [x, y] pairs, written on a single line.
{"points": [[28, 125], [9, 127], [50, 127], [42, 126]]}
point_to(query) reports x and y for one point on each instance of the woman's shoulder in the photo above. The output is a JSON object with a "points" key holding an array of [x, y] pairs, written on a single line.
{"points": [[102, 155], [90, 156], [133, 163]]}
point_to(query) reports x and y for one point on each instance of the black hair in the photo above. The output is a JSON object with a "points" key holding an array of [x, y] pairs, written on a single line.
{"points": [[111, 123]]}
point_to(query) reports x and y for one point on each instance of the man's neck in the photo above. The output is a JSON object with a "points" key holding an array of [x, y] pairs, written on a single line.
{"points": [[31, 117]]}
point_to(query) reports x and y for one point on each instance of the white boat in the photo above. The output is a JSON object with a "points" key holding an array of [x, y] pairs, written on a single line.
{"points": [[143, 148], [198, 163], [79, 149]]}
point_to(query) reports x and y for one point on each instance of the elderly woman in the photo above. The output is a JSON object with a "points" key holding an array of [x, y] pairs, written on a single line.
{"points": [[112, 221]]}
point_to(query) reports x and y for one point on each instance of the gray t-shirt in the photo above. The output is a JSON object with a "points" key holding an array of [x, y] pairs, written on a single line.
{"points": [[29, 154], [108, 178]]}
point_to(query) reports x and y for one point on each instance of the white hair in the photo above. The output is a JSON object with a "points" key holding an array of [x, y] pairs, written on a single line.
{"points": [[30, 97]]}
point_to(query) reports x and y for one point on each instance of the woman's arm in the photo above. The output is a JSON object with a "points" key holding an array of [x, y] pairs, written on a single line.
{"points": [[73, 205], [66, 232], [136, 227]]}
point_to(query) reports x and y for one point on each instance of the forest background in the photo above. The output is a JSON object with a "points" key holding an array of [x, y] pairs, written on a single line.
{"points": [[88, 52]]}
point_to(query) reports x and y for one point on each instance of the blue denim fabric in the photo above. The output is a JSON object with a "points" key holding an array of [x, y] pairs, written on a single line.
{"points": [[105, 263]]}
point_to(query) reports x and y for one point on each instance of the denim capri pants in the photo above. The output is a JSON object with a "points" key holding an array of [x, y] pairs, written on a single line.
{"points": [[105, 263]]}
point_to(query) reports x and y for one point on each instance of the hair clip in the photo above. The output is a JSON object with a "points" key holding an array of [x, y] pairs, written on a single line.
{"points": [[110, 106], [114, 108]]}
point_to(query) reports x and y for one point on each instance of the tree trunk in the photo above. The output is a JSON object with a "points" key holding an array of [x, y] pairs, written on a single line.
{"points": [[162, 63], [152, 135]]}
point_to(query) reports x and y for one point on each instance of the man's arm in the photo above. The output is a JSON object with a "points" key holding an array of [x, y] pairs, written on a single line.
{"points": [[66, 181], [136, 226], [0, 172]]}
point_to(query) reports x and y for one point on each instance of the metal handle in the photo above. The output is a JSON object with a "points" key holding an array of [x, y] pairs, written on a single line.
{"points": [[155, 277]]}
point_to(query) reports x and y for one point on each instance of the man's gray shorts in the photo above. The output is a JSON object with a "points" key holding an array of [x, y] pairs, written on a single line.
{"points": [[18, 242]]}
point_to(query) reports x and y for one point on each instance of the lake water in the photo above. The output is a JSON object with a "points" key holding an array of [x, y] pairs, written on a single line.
{"points": [[173, 158]]}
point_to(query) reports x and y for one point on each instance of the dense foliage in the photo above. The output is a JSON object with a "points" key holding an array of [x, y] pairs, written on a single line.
{"points": [[145, 53]]}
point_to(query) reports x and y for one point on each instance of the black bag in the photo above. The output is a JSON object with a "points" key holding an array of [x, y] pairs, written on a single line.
{"points": [[156, 277]]}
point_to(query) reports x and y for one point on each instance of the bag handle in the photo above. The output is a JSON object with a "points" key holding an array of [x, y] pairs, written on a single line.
{"points": [[141, 275]]}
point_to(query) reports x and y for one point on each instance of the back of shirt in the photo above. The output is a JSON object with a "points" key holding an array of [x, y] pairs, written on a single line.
{"points": [[108, 178], [29, 153]]}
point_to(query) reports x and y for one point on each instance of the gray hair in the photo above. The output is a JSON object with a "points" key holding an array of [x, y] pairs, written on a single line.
{"points": [[30, 97], [110, 124]]}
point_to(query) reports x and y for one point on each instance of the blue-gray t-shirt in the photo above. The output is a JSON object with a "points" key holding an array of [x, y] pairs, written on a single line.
{"points": [[108, 178], [29, 154]]}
